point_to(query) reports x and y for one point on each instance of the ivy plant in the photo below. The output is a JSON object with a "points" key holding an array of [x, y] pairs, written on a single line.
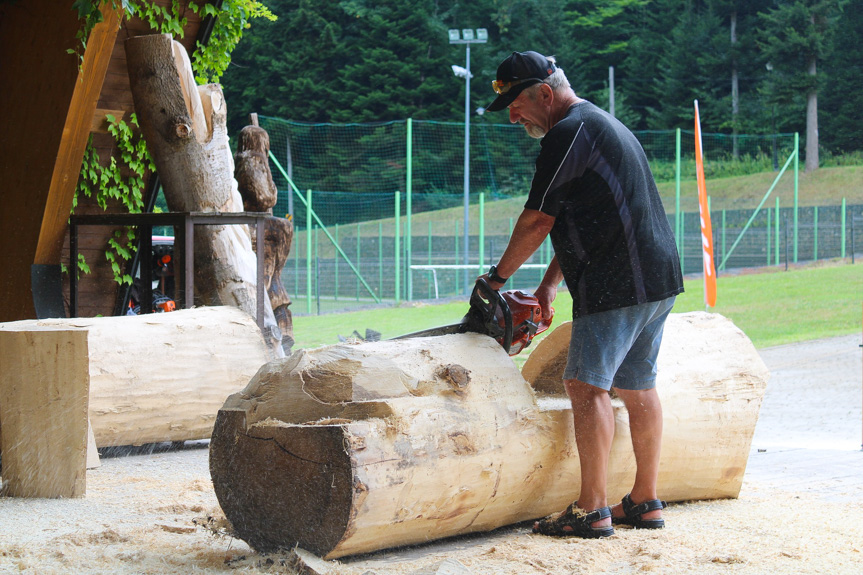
{"points": [[120, 181], [209, 62]]}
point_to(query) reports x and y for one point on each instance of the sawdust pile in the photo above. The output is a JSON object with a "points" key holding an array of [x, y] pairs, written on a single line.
{"points": [[799, 510], [149, 514]]}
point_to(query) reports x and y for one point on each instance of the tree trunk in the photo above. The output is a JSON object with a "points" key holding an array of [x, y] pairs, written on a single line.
{"points": [[278, 237], [357, 447], [735, 94], [185, 130], [812, 159]]}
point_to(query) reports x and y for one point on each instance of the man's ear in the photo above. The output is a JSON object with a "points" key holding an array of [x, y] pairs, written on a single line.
{"points": [[546, 93]]}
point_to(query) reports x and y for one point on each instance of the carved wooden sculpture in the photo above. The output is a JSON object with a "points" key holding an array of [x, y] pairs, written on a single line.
{"points": [[256, 186]]}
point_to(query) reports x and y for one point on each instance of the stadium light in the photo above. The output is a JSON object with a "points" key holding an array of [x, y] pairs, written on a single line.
{"points": [[466, 36]]}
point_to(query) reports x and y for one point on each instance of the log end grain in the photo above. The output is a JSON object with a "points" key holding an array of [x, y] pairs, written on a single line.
{"points": [[296, 486]]}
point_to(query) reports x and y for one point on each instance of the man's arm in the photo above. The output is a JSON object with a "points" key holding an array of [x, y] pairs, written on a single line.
{"points": [[530, 231]]}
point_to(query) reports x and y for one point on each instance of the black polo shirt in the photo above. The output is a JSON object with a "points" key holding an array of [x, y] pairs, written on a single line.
{"points": [[611, 235]]}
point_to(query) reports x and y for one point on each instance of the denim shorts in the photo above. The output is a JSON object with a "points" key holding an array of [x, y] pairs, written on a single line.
{"points": [[618, 348]]}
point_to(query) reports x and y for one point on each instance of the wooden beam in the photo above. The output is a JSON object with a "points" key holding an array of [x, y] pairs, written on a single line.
{"points": [[76, 130]]}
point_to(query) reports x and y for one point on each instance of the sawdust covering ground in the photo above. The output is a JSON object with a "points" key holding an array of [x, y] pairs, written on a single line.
{"points": [[799, 511]]}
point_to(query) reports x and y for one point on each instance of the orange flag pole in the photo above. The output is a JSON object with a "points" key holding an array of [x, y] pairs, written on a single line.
{"points": [[706, 228]]}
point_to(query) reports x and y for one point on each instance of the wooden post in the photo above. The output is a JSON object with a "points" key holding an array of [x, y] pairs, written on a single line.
{"points": [[76, 130], [43, 408]]}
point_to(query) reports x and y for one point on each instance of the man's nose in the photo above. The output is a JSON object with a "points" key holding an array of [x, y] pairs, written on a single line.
{"points": [[513, 116]]}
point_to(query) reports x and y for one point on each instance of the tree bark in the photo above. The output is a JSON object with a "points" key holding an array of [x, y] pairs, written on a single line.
{"points": [[185, 129], [357, 447], [812, 159]]}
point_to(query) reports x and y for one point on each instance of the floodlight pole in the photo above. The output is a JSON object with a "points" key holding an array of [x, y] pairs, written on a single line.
{"points": [[466, 165], [467, 38]]}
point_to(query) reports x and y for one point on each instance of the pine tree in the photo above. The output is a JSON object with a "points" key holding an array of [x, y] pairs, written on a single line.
{"points": [[795, 37]]}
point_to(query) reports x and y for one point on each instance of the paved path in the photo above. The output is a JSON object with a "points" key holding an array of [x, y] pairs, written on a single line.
{"points": [[808, 436]]}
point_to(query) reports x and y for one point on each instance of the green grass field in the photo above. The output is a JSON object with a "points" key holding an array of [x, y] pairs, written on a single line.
{"points": [[770, 305]]}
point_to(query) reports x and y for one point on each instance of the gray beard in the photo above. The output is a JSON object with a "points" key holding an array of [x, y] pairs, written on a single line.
{"points": [[534, 131]]}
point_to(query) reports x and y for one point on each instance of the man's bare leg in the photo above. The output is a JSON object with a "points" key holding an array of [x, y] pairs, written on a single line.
{"points": [[593, 420], [645, 425]]}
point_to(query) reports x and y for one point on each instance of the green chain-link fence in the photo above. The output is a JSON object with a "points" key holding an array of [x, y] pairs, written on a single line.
{"points": [[345, 184]]}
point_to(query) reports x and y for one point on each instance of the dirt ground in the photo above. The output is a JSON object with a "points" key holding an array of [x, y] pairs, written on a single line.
{"points": [[799, 509]]}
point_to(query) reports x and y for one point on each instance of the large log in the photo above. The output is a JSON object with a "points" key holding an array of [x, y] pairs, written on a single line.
{"points": [[357, 447], [185, 128], [152, 378]]}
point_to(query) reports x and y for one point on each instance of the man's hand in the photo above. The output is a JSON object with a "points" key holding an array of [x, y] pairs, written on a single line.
{"points": [[492, 284], [547, 290], [545, 294]]}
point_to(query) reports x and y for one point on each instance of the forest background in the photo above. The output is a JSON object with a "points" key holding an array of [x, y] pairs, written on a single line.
{"points": [[756, 66]]}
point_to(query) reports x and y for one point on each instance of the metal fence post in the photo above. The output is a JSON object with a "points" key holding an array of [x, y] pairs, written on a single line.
{"points": [[722, 266], [397, 247], [359, 260], [776, 249], [409, 208], [309, 251], [842, 241], [455, 236], [796, 189], [678, 217], [380, 259], [336, 267]]}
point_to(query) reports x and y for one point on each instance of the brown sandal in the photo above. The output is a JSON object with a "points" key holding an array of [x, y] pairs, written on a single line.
{"points": [[632, 513], [575, 522]]}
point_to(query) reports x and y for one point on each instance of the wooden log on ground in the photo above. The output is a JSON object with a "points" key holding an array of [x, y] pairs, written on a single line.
{"points": [[357, 447], [152, 378]]}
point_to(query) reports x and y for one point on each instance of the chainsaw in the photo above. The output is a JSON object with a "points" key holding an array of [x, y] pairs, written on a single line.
{"points": [[512, 318]]}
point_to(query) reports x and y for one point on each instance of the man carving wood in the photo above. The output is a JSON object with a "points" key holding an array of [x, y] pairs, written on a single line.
{"points": [[594, 195]]}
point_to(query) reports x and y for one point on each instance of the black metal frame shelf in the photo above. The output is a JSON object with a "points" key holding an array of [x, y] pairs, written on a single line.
{"points": [[184, 226]]}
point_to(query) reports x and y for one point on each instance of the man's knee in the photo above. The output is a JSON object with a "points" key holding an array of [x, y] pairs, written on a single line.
{"points": [[581, 391], [640, 401]]}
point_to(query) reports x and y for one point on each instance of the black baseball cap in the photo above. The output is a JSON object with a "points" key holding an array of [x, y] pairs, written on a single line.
{"points": [[519, 71]]}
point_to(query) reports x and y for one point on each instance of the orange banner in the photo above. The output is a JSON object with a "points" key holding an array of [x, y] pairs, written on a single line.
{"points": [[706, 228]]}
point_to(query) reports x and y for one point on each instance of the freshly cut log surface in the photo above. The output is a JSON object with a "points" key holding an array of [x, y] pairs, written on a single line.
{"points": [[358, 447]]}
